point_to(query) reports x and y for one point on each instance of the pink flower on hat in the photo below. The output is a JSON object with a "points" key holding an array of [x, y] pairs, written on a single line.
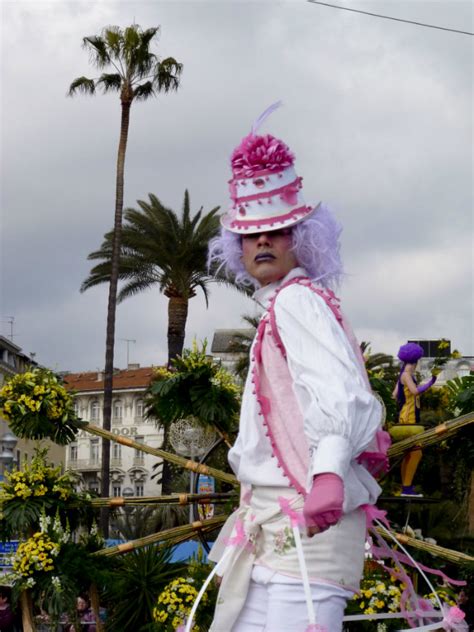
{"points": [[259, 153]]}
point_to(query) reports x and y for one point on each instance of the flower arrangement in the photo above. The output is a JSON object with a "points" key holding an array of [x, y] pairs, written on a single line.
{"points": [[379, 592], [53, 569], [37, 488], [377, 595], [195, 386], [36, 406], [175, 603], [177, 599], [35, 555], [445, 594]]}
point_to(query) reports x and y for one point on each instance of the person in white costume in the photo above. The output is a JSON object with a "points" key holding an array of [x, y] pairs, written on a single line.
{"points": [[310, 426]]}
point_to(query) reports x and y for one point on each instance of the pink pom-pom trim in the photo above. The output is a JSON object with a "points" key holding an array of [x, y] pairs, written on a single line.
{"points": [[259, 153]]}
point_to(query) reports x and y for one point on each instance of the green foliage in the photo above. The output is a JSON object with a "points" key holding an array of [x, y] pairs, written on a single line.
{"points": [[383, 374], [138, 522], [137, 580], [461, 395], [434, 406], [196, 386]]}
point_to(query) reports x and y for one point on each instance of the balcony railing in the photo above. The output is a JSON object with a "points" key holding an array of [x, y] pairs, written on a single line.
{"points": [[116, 461], [139, 459], [85, 464]]}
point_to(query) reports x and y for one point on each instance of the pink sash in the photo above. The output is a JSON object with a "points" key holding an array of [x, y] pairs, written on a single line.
{"points": [[277, 401]]}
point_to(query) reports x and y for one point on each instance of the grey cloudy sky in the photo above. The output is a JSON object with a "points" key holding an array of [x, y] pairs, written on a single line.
{"points": [[378, 113]]}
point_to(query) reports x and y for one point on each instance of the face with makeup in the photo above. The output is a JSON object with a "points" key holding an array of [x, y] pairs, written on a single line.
{"points": [[268, 256]]}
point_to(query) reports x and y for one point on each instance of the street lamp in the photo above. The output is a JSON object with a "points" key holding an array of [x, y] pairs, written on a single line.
{"points": [[191, 439], [8, 443]]}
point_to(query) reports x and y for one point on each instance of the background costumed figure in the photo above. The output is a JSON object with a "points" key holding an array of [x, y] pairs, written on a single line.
{"points": [[407, 393]]}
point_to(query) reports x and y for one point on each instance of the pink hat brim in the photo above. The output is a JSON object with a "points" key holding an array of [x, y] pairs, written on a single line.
{"points": [[249, 227]]}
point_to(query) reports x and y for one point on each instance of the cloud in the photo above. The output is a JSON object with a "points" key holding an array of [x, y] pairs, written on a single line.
{"points": [[378, 114]]}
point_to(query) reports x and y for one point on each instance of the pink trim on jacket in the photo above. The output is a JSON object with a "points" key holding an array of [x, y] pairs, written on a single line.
{"points": [[273, 389]]}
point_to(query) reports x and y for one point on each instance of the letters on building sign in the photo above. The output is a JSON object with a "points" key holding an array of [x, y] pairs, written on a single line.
{"points": [[127, 432]]}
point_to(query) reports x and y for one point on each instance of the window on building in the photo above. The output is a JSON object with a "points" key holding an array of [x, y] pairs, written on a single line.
{"points": [[463, 370], [118, 409], [116, 451], [139, 409], [139, 456], [73, 452], [76, 407], [94, 450], [139, 489], [116, 490], [95, 411], [94, 487]]}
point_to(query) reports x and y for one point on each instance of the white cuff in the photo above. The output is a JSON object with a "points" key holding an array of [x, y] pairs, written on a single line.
{"points": [[333, 454]]}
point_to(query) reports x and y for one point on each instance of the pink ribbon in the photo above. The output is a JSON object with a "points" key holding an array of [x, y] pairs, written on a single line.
{"points": [[372, 512], [240, 538], [296, 517], [314, 627], [454, 619]]}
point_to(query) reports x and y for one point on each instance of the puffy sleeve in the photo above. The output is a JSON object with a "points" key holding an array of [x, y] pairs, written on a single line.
{"points": [[341, 416]]}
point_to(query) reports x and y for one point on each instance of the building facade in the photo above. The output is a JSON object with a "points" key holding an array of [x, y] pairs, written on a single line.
{"points": [[454, 367], [131, 471]]}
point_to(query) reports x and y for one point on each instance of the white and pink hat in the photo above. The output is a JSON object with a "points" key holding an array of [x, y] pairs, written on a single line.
{"points": [[265, 189]]}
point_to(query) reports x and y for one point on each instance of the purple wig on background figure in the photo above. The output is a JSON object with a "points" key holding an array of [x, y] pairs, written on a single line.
{"points": [[410, 353], [315, 244]]}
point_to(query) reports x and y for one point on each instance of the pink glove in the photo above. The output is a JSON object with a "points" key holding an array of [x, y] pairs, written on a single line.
{"points": [[323, 505]]}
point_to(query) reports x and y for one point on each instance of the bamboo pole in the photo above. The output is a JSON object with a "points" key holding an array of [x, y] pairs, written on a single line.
{"points": [[26, 605], [198, 468], [431, 436], [174, 535], [434, 549], [173, 499], [95, 604]]}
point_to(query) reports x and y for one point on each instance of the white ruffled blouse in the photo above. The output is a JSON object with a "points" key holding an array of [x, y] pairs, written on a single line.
{"points": [[341, 415]]}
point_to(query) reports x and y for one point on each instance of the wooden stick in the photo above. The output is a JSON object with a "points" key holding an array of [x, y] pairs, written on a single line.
{"points": [[181, 533], [431, 436], [173, 499], [439, 551], [27, 619], [198, 468]]}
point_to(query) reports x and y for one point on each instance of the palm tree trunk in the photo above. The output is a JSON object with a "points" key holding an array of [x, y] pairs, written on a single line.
{"points": [[177, 316], [112, 306]]}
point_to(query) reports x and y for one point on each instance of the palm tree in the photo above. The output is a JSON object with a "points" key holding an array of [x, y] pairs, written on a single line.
{"points": [[240, 344], [137, 74], [160, 248]]}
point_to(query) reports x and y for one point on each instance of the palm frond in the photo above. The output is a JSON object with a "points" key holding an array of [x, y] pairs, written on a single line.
{"points": [[97, 47], [113, 40], [82, 84], [110, 82], [143, 91], [167, 74]]}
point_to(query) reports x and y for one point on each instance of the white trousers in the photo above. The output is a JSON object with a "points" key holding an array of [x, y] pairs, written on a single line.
{"points": [[276, 603]]}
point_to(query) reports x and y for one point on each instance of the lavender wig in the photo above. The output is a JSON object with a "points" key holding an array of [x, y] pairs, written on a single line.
{"points": [[315, 244]]}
